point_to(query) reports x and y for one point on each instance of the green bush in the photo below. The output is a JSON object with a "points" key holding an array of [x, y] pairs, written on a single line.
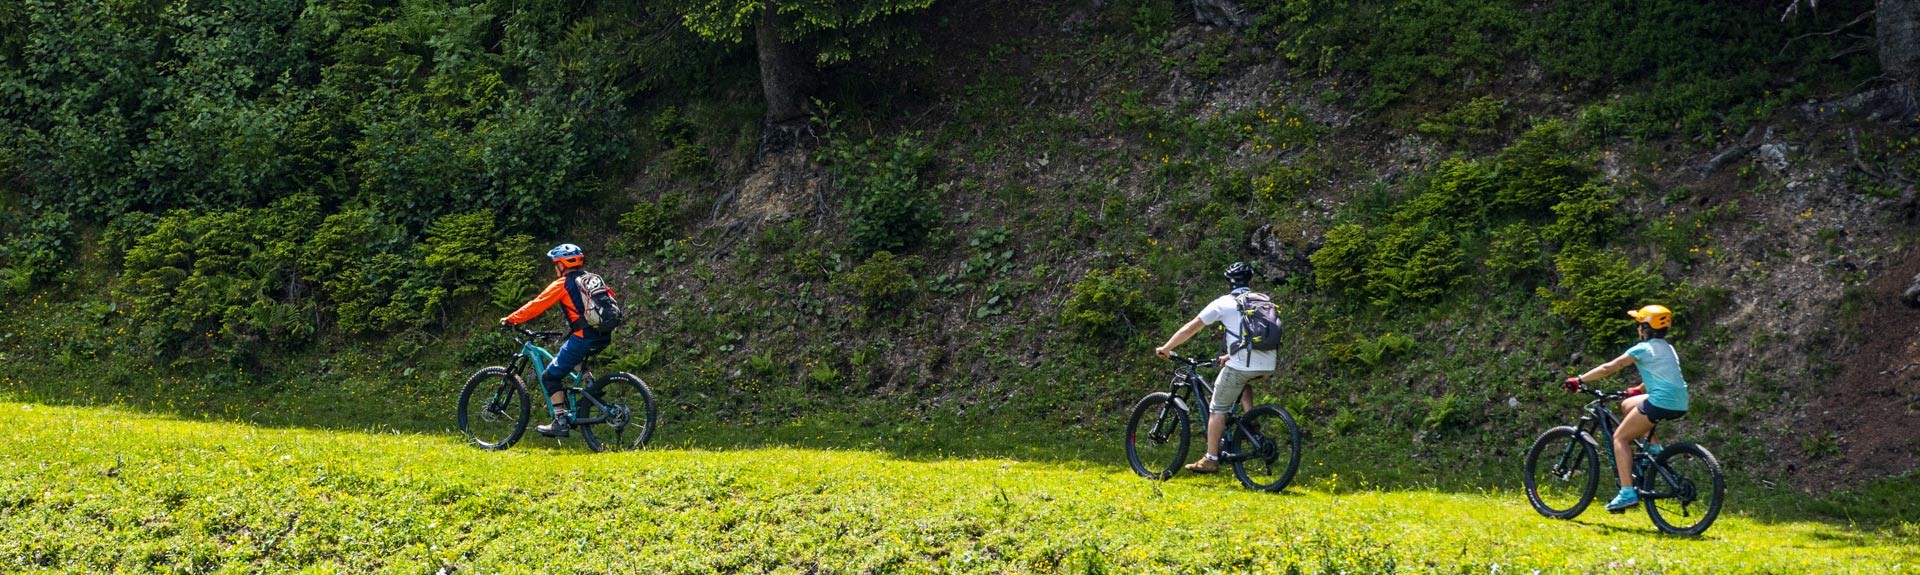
{"points": [[36, 252], [1413, 263], [1515, 250], [1473, 119], [887, 207], [1539, 169], [1457, 191], [644, 227], [883, 282], [225, 282], [1599, 287], [1586, 216], [1341, 262], [470, 255], [1105, 304]]}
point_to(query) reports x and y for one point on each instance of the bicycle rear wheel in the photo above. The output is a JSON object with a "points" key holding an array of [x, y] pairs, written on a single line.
{"points": [[1270, 441], [1157, 436], [1687, 479], [1562, 472], [493, 408], [630, 414]]}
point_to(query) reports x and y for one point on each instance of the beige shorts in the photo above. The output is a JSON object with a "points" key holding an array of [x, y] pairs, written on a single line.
{"points": [[1226, 388]]}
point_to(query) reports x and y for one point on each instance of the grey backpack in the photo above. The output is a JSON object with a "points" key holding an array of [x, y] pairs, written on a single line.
{"points": [[598, 309], [1259, 324]]}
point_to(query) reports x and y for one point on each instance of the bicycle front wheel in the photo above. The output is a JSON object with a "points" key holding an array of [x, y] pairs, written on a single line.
{"points": [[493, 408], [1157, 436], [1686, 479], [1562, 472], [630, 414], [1269, 441]]}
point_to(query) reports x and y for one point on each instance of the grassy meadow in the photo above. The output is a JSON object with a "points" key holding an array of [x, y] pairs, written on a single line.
{"points": [[110, 489]]}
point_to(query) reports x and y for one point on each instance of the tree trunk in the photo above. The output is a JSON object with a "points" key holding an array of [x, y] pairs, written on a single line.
{"points": [[1897, 35], [785, 74]]}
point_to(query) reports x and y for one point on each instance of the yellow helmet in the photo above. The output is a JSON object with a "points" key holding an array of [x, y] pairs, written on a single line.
{"points": [[1655, 316]]}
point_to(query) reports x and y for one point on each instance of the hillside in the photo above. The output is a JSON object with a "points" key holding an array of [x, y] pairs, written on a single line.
{"points": [[166, 495], [310, 217]]}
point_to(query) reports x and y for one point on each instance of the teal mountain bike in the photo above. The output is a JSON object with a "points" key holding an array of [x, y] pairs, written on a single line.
{"points": [[613, 413]]}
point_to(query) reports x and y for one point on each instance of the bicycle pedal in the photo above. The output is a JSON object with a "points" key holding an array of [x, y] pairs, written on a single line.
{"points": [[1620, 511]]}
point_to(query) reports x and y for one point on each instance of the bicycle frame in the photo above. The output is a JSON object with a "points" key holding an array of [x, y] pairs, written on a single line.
{"points": [[1596, 428], [1188, 376], [531, 352]]}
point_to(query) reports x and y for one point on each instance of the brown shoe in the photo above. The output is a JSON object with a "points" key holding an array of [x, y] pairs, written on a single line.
{"points": [[1204, 465]]}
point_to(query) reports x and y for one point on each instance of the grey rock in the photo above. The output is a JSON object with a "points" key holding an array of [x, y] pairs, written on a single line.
{"points": [[1774, 157], [1912, 296]]}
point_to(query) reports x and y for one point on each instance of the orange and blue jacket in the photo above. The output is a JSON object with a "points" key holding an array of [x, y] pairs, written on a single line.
{"points": [[555, 292]]}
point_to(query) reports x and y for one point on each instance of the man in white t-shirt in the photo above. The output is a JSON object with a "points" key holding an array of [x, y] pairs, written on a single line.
{"points": [[1239, 366]]}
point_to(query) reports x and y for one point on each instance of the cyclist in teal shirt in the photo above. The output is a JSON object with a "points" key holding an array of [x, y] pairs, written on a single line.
{"points": [[1661, 395]]}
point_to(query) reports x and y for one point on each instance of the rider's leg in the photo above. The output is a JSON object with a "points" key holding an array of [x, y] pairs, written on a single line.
{"points": [[1246, 398], [554, 377], [1634, 426]]}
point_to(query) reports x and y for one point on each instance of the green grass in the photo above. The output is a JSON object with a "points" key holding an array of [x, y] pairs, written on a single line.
{"points": [[97, 489]]}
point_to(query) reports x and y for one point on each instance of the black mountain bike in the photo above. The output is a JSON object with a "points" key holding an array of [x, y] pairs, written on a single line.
{"points": [[1563, 471], [1262, 445], [613, 413]]}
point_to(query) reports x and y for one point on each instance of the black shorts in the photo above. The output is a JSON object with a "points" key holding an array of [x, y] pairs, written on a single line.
{"points": [[1657, 413]]}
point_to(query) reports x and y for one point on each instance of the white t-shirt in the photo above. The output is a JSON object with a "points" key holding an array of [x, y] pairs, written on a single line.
{"points": [[1226, 312]]}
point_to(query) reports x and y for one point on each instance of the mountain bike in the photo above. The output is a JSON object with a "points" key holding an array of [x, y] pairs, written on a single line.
{"points": [[1563, 472], [1262, 445], [612, 413]]}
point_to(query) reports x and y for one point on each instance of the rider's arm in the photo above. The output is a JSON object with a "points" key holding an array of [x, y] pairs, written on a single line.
{"points": [[1180, 337], [555, 292], [1608, 368]]}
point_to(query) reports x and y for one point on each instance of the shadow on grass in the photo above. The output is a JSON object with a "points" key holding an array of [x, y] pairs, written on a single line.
{"points": [[1350, 464]]}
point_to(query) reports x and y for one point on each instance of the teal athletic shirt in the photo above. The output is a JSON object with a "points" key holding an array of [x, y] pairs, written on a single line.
{"points": [[1660, 371]]}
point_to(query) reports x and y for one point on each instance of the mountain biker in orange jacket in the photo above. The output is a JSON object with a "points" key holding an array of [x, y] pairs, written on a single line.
{"points": [[568, 260]]}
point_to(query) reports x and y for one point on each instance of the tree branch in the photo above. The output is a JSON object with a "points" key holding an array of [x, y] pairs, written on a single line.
{"points": [[1862, 18]]}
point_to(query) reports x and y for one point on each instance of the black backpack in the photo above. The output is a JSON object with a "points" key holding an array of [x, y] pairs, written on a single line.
{"points": [[598, 310], [1259, 324]]}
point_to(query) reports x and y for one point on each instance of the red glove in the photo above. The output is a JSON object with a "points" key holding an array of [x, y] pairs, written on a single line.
{"points": [[1636, 390], [1572, 385]]}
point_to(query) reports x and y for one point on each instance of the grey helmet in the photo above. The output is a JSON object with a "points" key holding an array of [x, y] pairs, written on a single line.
{"points": [[1239, 273]]}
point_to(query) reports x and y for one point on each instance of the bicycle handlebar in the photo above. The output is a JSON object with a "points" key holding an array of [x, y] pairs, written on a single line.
{"points": [[530, 334], [1193, 361]]}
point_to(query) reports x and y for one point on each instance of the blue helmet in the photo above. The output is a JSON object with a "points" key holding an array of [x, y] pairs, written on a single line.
{"points": [[567, 255]]}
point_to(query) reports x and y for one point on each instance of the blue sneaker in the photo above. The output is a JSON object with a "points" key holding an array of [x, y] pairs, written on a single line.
{"points": [[1624, 501], [1654, 449]]}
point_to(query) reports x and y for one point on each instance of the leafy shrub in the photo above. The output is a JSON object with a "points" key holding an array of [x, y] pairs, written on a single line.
{"points": [[221, 281], [649, 223], [1538, 169], [1476, 118], [1456, 191], [883, 282], [1341, 262], [469, 255], [1283, 183], [1449, 410], [1586, 215], [1370, 352], [1515, 249], [1413, 263], [1103, 303], [37, 252], [1599, 287], [888, 208]]}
